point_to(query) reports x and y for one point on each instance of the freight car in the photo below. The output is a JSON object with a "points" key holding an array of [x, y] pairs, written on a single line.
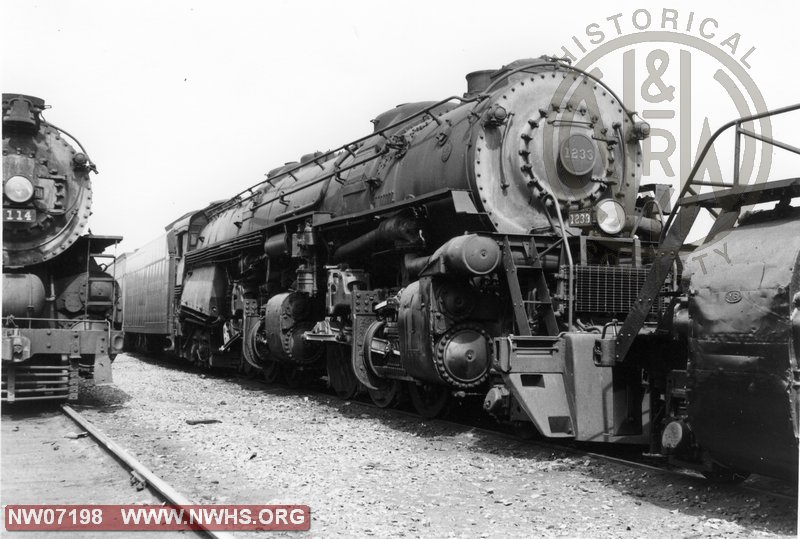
{"points": [[494, 245], [59, 306]]}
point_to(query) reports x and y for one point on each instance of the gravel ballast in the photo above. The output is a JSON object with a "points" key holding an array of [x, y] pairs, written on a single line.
{"points": [[367, 472]]}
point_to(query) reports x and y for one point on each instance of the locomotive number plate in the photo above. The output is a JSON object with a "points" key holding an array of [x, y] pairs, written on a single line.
{"points": [[19, 215], [581, 218]]}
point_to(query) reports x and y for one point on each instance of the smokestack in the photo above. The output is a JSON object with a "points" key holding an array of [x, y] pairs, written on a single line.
{"points": [[478, 81]]}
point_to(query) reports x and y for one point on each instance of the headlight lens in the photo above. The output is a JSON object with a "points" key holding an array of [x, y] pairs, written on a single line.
{"points": [[18, 189], [610, 216]]}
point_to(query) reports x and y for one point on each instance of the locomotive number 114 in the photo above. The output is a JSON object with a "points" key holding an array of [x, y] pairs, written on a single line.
{"points": [[19, 215]]}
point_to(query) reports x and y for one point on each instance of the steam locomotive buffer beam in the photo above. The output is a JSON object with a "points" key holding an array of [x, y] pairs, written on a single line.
{"points": [[729, 201], [74, 342]]}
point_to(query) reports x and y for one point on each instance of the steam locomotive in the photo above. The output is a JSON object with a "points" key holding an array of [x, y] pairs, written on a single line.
{"points": [[59, 306], [494, 245]]}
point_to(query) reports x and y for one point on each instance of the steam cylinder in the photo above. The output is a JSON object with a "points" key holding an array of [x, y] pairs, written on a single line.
{"points": [[23, 295]]}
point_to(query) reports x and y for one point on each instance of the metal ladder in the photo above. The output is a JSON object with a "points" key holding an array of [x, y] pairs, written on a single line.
{"points": [[724, 205], [531, 273], [92, 254]]}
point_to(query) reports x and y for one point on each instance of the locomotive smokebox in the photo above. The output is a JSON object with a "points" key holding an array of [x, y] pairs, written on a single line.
{"points": [[23, 295]]}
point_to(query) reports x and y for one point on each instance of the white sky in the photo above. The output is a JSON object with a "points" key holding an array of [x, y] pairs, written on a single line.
{"points": [[180, 103]]}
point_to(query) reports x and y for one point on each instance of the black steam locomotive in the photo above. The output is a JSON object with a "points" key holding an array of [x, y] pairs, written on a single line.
{"points": [[59, 306], [488, 245]]}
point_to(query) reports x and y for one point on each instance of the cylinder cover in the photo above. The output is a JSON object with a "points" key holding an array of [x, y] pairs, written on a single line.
{"points": [[464, 355], [23, 295]]}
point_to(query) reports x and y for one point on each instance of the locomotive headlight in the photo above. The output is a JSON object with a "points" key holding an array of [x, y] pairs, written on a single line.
{"points": [[610, 216], [18, 189]]}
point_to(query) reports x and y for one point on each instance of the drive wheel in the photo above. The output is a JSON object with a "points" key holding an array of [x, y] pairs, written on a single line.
{"points": [[340, 373], [271, 370], [293, 376], [388, 394], [429, 400], [247, 370]]}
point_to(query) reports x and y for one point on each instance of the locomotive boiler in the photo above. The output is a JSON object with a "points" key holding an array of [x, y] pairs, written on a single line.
{"points": [[58, 304]]}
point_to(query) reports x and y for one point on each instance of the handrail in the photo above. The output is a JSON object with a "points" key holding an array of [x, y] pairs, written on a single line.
{"points": [[673, 238], [739, 131], [14, 319], [570, 278], [236, 199]]}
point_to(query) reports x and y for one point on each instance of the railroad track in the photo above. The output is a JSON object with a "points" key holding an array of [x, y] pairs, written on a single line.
{"points": [[553, 446], [789, 493], [138, 470]]}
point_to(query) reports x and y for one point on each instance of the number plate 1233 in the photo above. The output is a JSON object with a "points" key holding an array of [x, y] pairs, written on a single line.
{"points": [[581, 218]]}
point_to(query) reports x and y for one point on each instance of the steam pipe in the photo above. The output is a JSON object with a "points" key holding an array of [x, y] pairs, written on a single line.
{"points": [[398, 227]]}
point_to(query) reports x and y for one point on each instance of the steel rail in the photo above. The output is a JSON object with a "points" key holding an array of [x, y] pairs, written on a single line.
{"points": [[154, 482], [554, 446], [683, 473]]}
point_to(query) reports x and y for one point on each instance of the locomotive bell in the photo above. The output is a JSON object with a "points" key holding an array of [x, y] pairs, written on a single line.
{"points": [[20, 112]]}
